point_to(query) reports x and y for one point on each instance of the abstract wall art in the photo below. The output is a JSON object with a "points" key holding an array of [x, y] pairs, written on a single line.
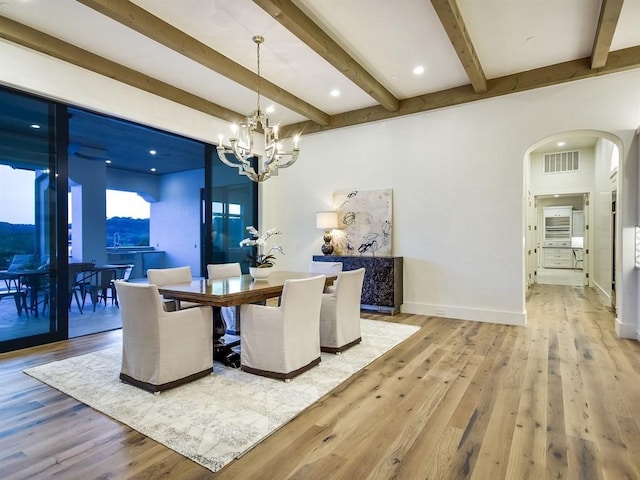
{"points": [[364, 217]]}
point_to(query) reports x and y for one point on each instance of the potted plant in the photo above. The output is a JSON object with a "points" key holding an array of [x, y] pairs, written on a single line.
{"points": [[260, 263]]}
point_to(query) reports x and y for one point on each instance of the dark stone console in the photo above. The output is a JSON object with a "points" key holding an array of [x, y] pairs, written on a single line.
{"points": [[382, 288]]}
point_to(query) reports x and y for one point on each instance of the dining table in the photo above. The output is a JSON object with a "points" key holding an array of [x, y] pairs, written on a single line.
{"points": [[230, 292]]}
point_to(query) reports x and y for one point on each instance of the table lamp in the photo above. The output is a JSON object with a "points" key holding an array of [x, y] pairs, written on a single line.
{"points": [[327, 221]]}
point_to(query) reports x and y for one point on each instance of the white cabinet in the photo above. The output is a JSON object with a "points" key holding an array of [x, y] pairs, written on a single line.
{"points": [[557, 257], [557, 226]]}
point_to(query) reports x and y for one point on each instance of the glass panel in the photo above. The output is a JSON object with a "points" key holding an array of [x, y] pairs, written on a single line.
{"points": [[135, 201], [234, 207], [127, 220], [27, 222]]}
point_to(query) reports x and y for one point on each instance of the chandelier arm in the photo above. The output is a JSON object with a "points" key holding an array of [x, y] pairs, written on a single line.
{"points": [[222, 151], [291, 161], [242, 168], [240, 154]]}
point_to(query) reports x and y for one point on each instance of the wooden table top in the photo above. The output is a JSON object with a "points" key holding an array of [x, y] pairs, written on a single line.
{"points": [[232, 291]]}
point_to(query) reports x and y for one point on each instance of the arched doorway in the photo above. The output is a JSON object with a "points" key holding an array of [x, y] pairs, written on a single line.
{"points": [[573, 175]]}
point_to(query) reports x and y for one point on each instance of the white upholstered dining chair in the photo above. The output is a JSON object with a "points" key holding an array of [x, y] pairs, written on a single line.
{"points": [[160, 349], [169, 276], [328, 268], [230, 315], [340, 313], [283, 341]]}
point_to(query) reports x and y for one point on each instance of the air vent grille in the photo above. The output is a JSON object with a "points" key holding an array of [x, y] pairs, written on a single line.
{"points": [[559, 162]]}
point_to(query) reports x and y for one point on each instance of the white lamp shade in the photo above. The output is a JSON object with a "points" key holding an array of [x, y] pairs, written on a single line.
{"points": [[326, 220]]}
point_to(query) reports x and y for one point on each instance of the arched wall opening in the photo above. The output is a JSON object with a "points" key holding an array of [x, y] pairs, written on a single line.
{"points": [[573, 175]]}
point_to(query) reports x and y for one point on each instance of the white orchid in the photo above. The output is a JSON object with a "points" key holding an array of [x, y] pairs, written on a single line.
{"points": [[259, 242]]}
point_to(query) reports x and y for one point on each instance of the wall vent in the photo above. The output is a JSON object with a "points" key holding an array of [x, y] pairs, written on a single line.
{"points": [[559, 162]]}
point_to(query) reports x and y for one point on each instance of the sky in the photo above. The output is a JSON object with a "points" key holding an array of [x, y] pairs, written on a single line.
{"points": [[17, 207]]}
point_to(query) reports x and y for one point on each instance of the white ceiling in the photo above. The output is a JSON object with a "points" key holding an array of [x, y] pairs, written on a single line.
{"points": [[387, 38]]}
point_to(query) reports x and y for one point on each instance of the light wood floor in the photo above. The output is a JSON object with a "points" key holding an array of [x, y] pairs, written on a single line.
{"points": [[557, 399]]}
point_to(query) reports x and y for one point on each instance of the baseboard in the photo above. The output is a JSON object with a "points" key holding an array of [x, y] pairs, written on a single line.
{"points": [[461, 313], [605, 297], [626, 330]]}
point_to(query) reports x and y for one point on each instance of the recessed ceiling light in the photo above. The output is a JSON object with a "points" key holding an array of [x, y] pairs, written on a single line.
{"points": [[152, 152], [556, 196], [335, 92], [561, 144], [419, 70], [153, 169], [271, 109], [35, 126], [107, 161]]}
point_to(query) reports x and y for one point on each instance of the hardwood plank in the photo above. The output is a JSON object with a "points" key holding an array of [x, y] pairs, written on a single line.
{"points": [[456, 400], [527, 457]]}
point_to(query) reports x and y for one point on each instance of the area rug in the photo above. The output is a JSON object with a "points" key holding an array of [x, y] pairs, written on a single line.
{"points": [[218, 418]]}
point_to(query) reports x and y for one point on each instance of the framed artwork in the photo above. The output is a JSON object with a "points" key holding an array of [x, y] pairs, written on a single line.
{"points": [[364, 217]]}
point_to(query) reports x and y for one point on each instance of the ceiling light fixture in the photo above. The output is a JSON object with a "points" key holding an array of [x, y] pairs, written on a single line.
{"points": [[242, 144], [419, 70]]}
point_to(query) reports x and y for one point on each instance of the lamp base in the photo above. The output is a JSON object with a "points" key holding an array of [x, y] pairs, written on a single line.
{"points": [[327, 248]]}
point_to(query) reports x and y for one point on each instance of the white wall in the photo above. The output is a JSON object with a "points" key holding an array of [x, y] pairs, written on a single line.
{"points": [[89, 210], [566, 182], [145, 184], [456, 174], [601, 211], [175, 225]]}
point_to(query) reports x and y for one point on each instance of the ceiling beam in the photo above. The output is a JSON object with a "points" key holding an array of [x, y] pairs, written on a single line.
{"points": [[609, 15], [453, 24], [294, 20], [620, 60], [143, 22], [35, 40], [28, 37]]}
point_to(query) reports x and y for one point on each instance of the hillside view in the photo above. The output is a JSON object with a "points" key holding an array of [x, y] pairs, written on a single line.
{"points": [[16, 239]]}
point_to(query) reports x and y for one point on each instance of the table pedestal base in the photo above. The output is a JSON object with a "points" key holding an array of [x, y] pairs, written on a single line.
{"points": [[223, 344]]}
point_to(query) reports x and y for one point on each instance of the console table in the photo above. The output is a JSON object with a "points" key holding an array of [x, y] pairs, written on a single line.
{"points": [[382, 287]]}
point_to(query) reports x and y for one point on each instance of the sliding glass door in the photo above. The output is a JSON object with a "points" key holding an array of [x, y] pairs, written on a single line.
{"points": [[59, 168], [233, 207], [29, 236]]}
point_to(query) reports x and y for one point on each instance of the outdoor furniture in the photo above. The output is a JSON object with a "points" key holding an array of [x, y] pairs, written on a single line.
{"points": [[121, 274], [77, 282], [160, 349], [99, 286], [340, 313], [10, 286], [283, 341]]}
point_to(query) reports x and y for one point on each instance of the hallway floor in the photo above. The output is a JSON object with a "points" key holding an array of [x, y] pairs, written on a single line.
{"points": [[559, 276]]}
